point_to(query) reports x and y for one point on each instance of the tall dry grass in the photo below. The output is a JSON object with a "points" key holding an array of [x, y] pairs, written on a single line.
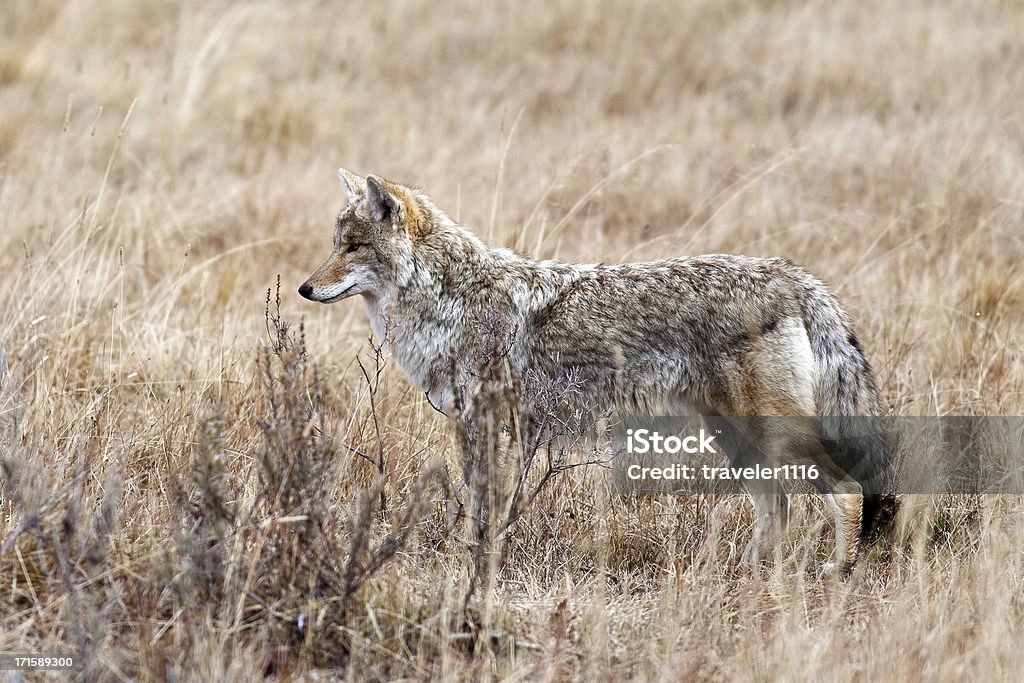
{"points": [[188, 497]]}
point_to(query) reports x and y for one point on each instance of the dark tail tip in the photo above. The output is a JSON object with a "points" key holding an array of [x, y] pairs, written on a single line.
{"points": [[878, 513]]}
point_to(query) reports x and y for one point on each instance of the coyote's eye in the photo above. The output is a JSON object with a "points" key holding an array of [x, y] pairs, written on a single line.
{"points": [[352, 248]]}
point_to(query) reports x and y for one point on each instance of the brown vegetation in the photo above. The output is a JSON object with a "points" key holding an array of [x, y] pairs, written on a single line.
{"points": [[195, 489]]}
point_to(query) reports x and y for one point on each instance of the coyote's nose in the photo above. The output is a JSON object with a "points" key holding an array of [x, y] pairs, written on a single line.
{"points": [[306, 291]]}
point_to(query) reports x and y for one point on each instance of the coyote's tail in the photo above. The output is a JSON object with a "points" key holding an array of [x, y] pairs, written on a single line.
{"points": [[853, 430], [878, 514]]}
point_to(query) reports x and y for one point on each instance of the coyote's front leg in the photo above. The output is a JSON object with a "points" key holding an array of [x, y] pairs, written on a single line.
{"points": [[771, 512]]}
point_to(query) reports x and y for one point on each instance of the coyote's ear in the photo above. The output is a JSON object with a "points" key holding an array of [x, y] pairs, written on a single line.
{"points": [[354, 186], [384, 205]]}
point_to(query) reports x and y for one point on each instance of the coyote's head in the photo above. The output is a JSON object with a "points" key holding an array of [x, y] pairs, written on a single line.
{"points": [[373, 239]]}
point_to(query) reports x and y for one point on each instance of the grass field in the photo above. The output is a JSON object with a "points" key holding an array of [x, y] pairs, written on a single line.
{"points": [[186, 496]]}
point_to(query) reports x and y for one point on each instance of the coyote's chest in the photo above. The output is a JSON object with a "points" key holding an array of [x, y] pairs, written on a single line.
{"points": [[422, 349]]}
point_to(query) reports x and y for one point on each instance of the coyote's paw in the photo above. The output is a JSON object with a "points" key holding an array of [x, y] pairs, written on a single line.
{"points": [[836, 569]]}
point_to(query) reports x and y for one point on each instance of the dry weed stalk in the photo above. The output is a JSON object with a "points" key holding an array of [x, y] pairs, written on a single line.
{"points": [[515, 435]]}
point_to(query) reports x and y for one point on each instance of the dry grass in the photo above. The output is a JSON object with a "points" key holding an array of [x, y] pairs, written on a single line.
{"points": [[182, 492]]}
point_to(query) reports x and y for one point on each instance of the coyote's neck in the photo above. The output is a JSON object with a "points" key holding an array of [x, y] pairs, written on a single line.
{"points": [[423, 317]]}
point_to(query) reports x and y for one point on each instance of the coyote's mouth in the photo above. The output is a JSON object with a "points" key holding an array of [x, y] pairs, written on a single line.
{"points": [[337, 297]]}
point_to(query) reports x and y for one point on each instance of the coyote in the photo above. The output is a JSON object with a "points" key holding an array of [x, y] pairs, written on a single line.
{"points": [[717, 335]]}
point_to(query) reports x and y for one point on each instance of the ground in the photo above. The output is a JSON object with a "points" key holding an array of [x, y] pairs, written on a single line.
{"points": [[162, 164]]}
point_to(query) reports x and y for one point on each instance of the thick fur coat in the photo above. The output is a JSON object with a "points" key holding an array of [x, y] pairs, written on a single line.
{"points": [[709, 335]]}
